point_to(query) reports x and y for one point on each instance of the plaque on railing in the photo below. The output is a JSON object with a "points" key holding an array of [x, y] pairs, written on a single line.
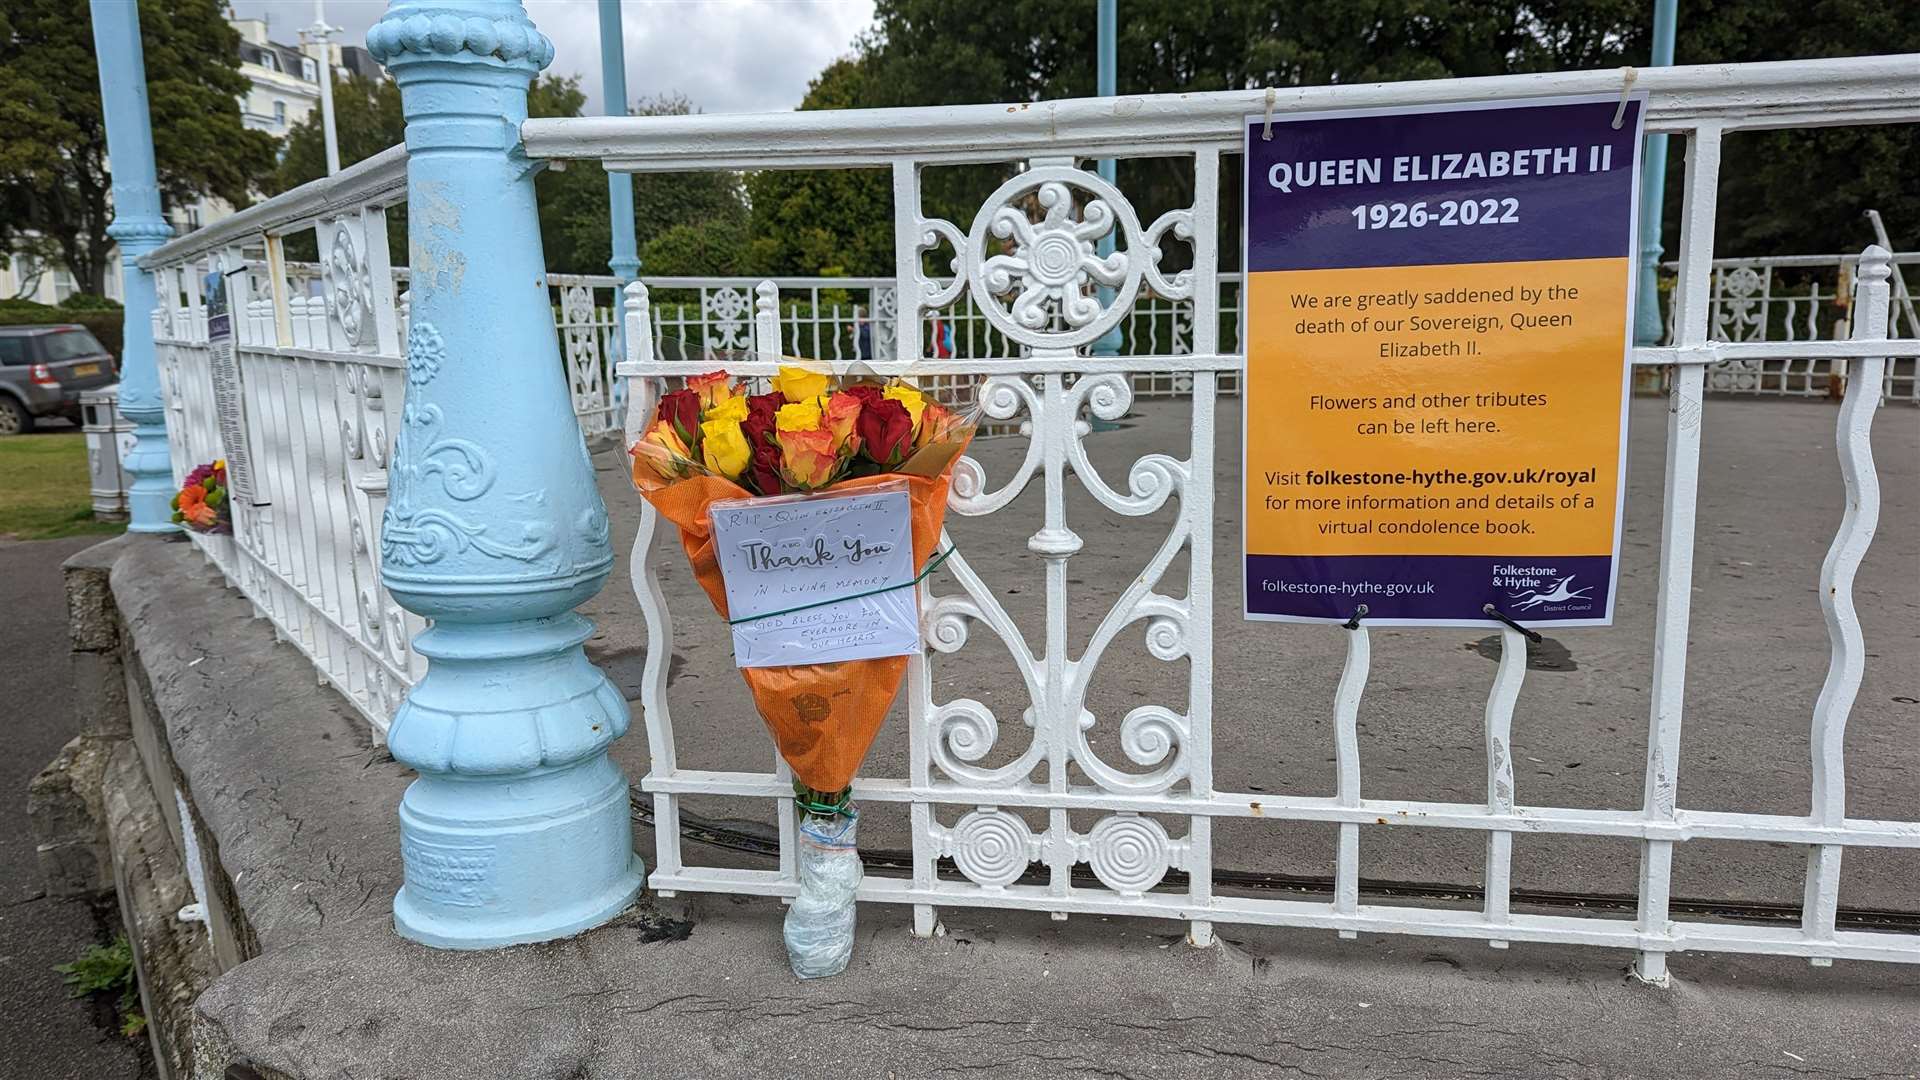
{"points": [[227, 402]]}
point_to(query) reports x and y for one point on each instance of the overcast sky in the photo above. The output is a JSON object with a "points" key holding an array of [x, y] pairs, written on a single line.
{"points": [[725, 55]]}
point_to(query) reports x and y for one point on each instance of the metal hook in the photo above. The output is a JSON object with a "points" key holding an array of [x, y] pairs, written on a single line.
{"points": [[1266, 130], [1628, 74], [1494, 612], [1359, 613]]}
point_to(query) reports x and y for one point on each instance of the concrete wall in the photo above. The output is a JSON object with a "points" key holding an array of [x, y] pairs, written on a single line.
{"points": [[105, 819], [202, 738]]}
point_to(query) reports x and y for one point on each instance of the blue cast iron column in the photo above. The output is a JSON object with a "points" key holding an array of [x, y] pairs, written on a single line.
{"points": [[1648, 326], [138, 227], [625, 262], [517, 829]]}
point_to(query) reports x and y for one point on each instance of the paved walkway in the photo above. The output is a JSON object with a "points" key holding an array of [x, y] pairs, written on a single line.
{"points": [[43, 1034], [1770, 502]]}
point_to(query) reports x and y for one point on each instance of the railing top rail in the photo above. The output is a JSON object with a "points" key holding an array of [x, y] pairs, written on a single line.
{"points": [[378, 180], [1795, 93], [1900, 258], [656, 282]]}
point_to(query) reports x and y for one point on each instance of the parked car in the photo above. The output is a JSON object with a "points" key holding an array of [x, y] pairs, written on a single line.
{"points": [[43, 370]]}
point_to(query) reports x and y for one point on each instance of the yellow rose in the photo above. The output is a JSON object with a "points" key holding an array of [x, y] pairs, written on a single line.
{"points": [[731, 410], [724, 447], [799, 416], [914, 400], [799, 384]]}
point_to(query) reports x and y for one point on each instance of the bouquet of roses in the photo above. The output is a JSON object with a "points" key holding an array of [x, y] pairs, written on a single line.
{"points": [[202, 504], [714, 441]]}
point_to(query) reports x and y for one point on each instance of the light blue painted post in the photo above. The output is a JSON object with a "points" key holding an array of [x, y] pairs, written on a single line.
{"points": [[613, 76], [1649, 328], [138, 227], [625, 261], [517, 829], [1105, 80]]}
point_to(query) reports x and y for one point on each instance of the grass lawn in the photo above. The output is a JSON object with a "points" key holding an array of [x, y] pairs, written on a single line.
{"points": [[44, 488]]}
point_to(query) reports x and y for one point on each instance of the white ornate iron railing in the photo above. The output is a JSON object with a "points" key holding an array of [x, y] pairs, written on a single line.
{"points": [[1771, 298], [996, 807], [1801, 298], [322, 382], [842, 320]]}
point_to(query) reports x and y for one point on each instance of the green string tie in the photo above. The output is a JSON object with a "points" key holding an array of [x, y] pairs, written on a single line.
{"points": [[932, 565], [823, 803]]}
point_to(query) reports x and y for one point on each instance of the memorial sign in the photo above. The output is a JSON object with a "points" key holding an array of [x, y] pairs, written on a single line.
{"points": [[1438, 312]]}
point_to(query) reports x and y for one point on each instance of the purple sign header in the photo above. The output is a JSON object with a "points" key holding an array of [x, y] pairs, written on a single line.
{"points": [[1432, 188]]}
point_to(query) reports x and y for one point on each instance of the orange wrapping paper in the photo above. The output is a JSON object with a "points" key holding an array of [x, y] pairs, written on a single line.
{"points": [[823, 717]]}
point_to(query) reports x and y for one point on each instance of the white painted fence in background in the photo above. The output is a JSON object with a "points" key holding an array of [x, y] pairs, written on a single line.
{"points": [[324, 380], [1802, 298], [1770, 298], [841, 320]]}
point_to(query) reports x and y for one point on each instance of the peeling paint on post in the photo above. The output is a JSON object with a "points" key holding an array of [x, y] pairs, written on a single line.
{"points": [[518, 827]]}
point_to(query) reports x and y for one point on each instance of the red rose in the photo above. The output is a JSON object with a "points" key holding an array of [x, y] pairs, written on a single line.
{"points": [[865, 393], [758, 426], [681, 409], [763, 469], [765, 405], [886, 431]]}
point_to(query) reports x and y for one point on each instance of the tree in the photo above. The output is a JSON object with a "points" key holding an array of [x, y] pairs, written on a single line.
{"points": [[366, 120], [1795, 190], [713, 247], [575, 226], [54, 179], [828, 222], [1802, 191], [955, 52]]}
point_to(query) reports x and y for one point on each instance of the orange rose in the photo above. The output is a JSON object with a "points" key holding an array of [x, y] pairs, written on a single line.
{"points": [[842, 412], [939, 424], [713, 388], [663, 451], [808, 459]]}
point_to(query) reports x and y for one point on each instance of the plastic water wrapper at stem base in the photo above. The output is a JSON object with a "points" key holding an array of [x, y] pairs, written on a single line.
{"points": [[819, 927]]}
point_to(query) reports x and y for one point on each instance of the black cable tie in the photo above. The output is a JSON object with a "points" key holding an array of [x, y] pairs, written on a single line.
{"points": [[1494, 612], [1358, 614]]}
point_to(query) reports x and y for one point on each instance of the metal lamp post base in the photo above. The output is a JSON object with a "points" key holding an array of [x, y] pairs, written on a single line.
{"points": [[486, 857]]}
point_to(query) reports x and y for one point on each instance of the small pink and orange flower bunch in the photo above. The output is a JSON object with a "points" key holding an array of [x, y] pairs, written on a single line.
{"points": [[202, 504], [804, 435]]}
